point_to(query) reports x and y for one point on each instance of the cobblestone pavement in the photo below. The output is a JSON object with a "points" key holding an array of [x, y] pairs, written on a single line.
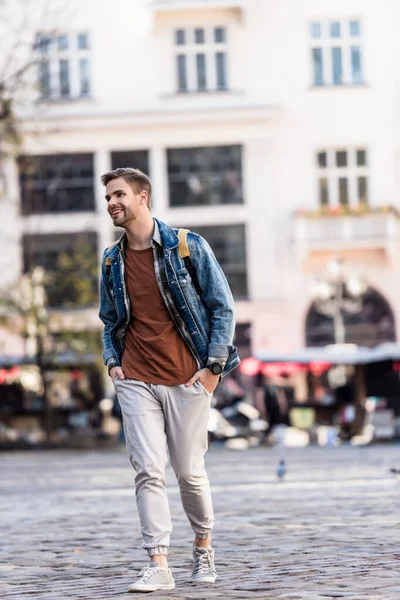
{"points": [[69, 527]]}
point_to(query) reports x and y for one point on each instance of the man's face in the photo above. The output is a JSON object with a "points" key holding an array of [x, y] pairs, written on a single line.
{"points": [[123, 203]]}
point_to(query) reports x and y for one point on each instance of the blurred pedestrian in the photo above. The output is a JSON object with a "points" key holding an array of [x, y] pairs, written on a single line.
{"points": [[168, 328], [272, 408], [268, 393]]}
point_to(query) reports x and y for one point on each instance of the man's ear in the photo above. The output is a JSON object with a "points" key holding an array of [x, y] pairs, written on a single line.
{"points": [[143, 197]]}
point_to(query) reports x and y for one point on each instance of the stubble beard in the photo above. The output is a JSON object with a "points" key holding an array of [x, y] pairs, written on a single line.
{"points": [[128, 216]]}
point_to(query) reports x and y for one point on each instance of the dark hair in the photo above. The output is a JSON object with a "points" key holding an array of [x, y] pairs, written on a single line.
{"points": [[138, 180]]}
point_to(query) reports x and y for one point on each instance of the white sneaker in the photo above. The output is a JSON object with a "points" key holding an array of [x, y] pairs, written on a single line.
{"points": [[153, 578], [203, 568]]}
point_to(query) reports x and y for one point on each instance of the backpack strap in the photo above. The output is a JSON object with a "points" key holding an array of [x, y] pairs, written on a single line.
{"points": [[183, 245], [184, 253], [107, 261], [112, 245]]}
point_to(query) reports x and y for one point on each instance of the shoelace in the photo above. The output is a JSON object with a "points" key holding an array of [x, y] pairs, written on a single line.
{"points": [[146, 573], [202, 564]]}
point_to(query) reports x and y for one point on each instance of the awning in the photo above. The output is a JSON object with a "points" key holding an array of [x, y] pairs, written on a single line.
{"points": [[343, 354]]}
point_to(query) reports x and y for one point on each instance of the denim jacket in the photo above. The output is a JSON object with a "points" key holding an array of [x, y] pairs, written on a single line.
{"points": [[206, 324]]}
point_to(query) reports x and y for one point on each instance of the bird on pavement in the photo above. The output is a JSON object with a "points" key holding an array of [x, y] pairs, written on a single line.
{"points": [[395, 472], [281, 470]]}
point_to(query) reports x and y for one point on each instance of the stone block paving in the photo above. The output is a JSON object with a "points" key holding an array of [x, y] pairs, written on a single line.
{"points": [[69, 527]]}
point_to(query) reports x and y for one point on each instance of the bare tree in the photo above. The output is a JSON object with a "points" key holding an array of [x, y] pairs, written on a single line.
{"points": [[23, 306], [20, 23]]}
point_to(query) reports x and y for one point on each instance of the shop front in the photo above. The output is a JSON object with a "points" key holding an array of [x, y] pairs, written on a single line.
{"points": [[346, 387]]}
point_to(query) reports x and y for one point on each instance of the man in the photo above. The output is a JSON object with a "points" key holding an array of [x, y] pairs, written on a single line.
{"points": [[167, 341]]}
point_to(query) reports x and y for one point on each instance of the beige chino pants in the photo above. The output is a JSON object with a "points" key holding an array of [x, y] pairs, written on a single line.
{"points": [[162, 420]]}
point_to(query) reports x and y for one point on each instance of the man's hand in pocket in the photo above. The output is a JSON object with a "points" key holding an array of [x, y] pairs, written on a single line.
{"points": [[116, 372], [207, 379]]}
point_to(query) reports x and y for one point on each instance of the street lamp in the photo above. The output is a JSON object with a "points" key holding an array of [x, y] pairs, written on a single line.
{"points": [[336, 294]]}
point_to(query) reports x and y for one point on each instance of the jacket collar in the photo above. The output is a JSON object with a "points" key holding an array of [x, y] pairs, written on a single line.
{"points": [[163, 235]]}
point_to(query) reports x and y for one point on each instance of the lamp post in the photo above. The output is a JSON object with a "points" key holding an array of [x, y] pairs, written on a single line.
{"points": [[337, 293]]}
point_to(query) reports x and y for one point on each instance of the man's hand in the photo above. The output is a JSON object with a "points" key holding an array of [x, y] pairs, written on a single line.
{"points": [[116, 372], [208, 380]]}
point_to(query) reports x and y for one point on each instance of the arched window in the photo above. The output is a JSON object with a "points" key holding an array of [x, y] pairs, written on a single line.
{"points": [[373, 325]]}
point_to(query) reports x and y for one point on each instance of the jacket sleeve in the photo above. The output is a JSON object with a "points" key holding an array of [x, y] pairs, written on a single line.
{"points": [[216, 296], [109, 316]]}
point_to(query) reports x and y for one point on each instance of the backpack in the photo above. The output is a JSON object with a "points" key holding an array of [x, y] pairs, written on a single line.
{"points": [[184, 253]]}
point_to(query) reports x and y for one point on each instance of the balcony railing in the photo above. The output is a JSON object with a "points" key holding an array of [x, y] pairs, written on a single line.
{"points": [[370, 230]]}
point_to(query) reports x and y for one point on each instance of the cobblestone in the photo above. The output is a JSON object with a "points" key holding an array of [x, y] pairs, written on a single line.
{"points": [[69, 527]]}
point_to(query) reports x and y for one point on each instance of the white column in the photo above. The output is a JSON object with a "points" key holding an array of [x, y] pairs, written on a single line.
{"points": [[102, 164], [301, 236], [347, 227], [265, 248], [159, 180], [10, 226]]}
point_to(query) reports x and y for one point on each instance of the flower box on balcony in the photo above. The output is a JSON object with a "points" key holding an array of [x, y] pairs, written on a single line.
{"points": [[346, 228], [346, 211]]}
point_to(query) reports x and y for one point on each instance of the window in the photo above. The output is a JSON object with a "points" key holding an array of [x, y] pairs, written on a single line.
{"points": [[64, 78], [180, 37], [64, 65], [336, 52], [83, 41], [139, 159], [56, 183], [229, 246], [182, 79], [205, 176], [342, 176], [44, 78], [73, 281], [199, 36], [84, 81], [201, 59]]}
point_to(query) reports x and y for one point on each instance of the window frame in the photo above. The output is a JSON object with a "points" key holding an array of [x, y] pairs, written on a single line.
{"points": [[352, 172], [33, 180], [231, 269], [137, 158], [53, 56], [193, 161], [37, 248], [185, 45], [343, 44]]}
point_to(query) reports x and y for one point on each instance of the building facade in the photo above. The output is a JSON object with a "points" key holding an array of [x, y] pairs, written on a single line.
{"points": [[269, 127]]}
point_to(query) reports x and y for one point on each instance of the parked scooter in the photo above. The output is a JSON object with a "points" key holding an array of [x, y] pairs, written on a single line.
{"points": [[233, 419]]}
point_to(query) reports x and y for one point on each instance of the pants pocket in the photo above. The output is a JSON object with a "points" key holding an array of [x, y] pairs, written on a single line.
{"points": [[209, 394]]}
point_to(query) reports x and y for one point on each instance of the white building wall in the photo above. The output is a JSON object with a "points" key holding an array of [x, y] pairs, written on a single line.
{"points": [[272, 109]]}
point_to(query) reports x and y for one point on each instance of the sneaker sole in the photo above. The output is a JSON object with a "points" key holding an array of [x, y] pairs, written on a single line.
{"points": [[203, 580], [151, 588]]}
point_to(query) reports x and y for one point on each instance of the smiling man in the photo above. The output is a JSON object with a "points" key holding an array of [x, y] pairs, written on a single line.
{"points": [[168, 330]]}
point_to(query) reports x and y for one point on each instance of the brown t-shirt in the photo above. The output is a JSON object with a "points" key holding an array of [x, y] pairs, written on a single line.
{"points": [[155, 351]]}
